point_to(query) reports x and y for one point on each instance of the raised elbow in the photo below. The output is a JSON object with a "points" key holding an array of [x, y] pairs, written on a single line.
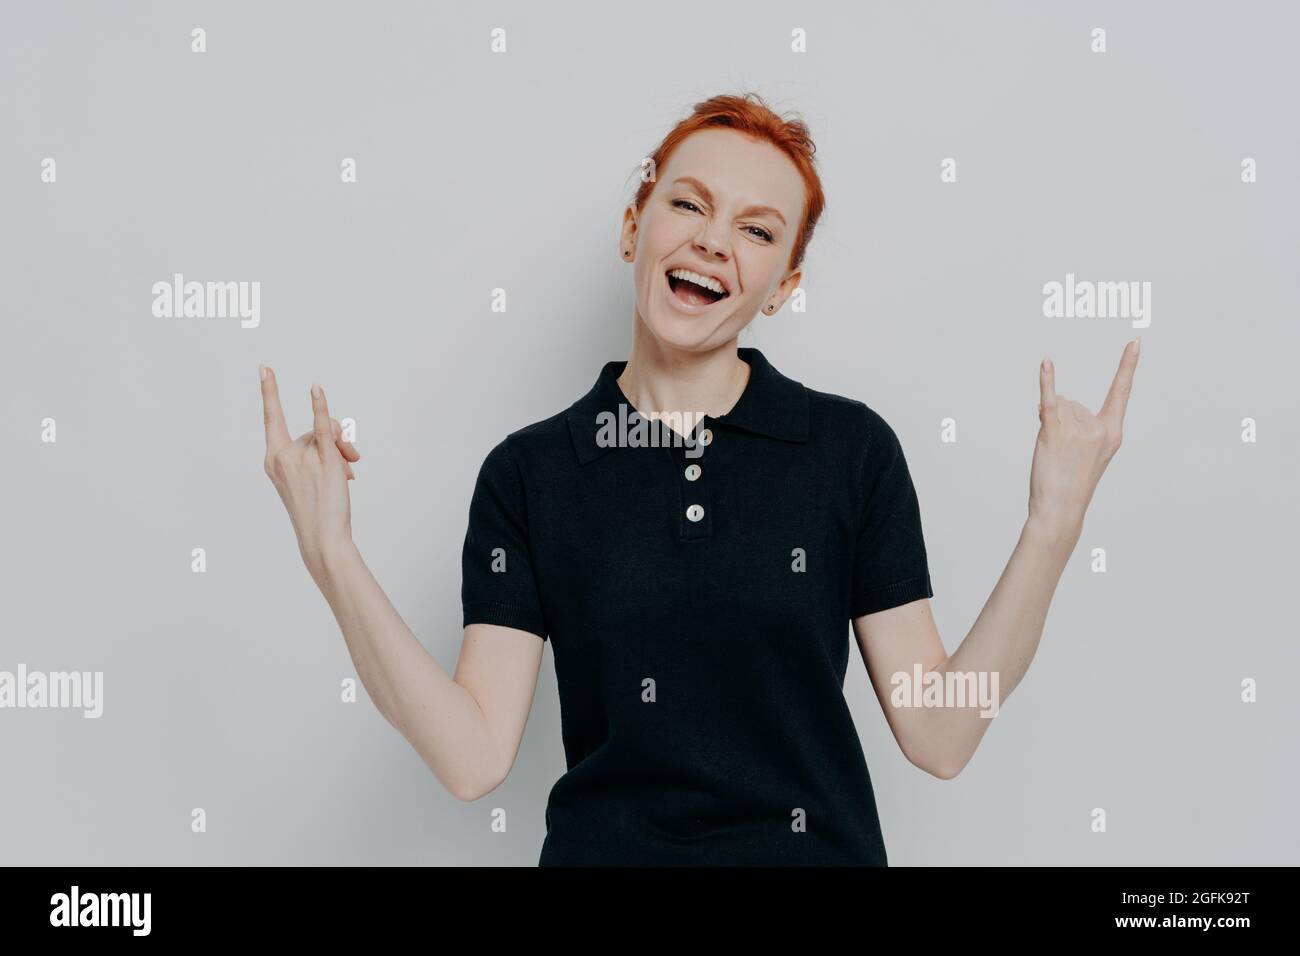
{"points": [[937, 766], [465, 794], [467, 791], [944, 772]]}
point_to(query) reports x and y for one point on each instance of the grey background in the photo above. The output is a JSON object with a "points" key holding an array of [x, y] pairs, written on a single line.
{"points": [[478, 171]]}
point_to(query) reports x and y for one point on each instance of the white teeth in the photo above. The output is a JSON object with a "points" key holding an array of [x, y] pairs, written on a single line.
{"points": [[711, 284]]}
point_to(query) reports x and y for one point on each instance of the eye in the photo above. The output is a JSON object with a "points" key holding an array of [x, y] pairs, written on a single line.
{"points": [[761, 232]]}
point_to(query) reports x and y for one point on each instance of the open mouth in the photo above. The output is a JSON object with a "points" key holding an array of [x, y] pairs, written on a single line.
{"points": [[691, 294]]}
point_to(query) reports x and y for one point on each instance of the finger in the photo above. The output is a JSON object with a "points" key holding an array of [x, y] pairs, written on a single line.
{"points": [[346, 447], [323, 431], [277, 433], [1047, 391], [1116, 404]]}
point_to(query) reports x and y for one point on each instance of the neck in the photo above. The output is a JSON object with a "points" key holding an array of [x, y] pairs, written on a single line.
{"points": [[659, 379]]}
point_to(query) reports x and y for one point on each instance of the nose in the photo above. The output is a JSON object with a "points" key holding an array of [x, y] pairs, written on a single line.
{"points": [[708, 243]]}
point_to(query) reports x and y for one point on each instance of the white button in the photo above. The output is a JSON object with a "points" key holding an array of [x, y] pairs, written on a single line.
{"points": [[692, 472], [706, 437], [695, 512]]}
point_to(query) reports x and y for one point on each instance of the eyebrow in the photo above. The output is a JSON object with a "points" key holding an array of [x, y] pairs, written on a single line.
{"points": [[708, 197]]}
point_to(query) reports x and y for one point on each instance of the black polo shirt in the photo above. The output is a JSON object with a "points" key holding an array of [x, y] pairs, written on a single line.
{"points": [[698, 600]]}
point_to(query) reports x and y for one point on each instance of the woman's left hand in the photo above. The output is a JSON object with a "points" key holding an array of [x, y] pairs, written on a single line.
{"points": [[1074, 447]]}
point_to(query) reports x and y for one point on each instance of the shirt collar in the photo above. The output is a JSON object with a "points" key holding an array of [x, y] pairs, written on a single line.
{"points": [[771, 405]]}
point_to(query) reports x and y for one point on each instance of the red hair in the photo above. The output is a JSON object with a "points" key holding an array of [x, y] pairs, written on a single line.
{"points": [[747, 113]]}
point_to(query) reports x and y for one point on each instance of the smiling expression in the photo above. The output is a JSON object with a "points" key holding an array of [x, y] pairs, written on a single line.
{"points": [[725, 209]]}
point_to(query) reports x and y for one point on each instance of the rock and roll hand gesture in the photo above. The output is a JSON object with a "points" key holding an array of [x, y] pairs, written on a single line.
{"points": [[311, 473], [1074, 446]]}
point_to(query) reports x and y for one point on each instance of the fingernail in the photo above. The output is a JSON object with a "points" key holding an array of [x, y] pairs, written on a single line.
{"points": [[261, 372], [1137, 345], [1047, 364], [315, 391]]}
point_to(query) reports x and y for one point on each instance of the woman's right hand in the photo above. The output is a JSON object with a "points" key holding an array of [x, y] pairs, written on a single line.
{"points": [[311, 473]]}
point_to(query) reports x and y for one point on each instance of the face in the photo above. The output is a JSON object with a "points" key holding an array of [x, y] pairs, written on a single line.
{"points": [[726, 207]]}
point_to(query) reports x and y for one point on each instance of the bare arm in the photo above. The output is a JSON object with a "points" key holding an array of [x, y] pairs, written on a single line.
{"points": [[1073, 450], [467, 728], [1003, 640]]}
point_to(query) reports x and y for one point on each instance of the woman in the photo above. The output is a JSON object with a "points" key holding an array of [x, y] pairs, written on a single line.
{"points": [[695, 535]]}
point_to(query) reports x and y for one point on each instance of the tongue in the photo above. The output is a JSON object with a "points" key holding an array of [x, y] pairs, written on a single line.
{"points": [[690, 293]]}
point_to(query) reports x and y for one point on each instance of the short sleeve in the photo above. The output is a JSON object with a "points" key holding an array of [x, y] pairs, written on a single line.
{"points": [[889, 562], [497, 581]]}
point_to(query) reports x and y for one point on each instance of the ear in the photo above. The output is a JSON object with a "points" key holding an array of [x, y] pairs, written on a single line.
{"points": [[790, 283], [783, 291], [627, 235]]}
